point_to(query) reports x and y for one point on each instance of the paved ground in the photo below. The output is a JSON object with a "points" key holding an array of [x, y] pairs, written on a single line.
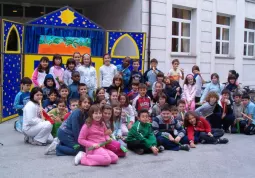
{"points": [[234, 160]]}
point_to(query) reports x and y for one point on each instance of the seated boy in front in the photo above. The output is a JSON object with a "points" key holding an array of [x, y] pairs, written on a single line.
{"points": [[140, 137], [248, 115]]}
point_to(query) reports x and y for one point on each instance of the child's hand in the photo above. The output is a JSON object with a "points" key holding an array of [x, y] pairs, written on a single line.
{"points": [[130, 125], [177, 139], [171, 138], [192, 145], [108, 132], [96, 145], [182, 70], [57, 119], [154, 150], [210, 134], [178, 89]]}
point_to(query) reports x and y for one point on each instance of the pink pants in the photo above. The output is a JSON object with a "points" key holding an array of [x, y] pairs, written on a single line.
{"points": [[99, 157], [192, 106], [114, 146]]}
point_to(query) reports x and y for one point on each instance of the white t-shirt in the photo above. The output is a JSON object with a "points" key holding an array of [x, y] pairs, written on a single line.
{"points": [[106, 74]]}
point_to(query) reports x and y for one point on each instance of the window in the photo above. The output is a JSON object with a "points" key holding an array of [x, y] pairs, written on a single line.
{"points": [[34, 11], [222, 35], [12, 41], [12, 10], [249, 35], [181, 25]]}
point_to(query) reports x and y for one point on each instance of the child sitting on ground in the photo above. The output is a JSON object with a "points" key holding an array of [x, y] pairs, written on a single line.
{"points": [[158, 91], [199, 131], [189, 92], [238, 109], [113, 96], [91, 136], [169, 132], [160, 79], [51, 102], [134, 92], [181, 111], [140, 137], [173, 91], [248, 115], [156, 108], [74, 103]]}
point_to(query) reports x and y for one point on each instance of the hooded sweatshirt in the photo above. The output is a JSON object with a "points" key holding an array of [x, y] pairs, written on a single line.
{"points": [[46, 89]]}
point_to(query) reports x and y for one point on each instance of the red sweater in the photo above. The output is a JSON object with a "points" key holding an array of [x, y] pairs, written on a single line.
{"points": [[202, 125]]}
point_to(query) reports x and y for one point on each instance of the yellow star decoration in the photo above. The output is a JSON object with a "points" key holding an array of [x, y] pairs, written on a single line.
{"points": [[67, 17]]}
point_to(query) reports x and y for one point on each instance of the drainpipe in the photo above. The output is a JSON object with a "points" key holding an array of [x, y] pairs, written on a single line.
{"points": [[149, 37]]}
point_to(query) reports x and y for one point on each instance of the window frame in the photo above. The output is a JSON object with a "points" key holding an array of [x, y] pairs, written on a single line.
{"points": [[179, 36], [247, 43], [221, 37]]}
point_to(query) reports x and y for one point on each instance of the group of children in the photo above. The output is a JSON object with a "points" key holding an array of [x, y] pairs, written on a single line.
{"points": [[146, 113]]}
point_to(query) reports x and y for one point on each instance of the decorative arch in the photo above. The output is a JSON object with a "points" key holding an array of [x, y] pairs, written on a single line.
{"points": [[13, 30], [118, 41]]}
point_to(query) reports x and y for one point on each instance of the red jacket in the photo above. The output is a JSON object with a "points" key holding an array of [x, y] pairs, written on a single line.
{"points": [[202, 125]]}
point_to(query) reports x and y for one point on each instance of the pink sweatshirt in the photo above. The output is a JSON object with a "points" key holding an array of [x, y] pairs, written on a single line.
{"points": [[57, 71], [95, 134], [189, 92], [38, 78]]}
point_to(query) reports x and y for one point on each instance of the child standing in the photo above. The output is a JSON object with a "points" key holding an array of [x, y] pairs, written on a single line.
{"points": [[49, 83], [51, 102], [124, 71], [189, 92], [175, 73], [249, 115], [57, 71], [199, 82], [77, 58], [40, 72], [37, 131], [150, 76], [70, 68], [21, 100], [73, 88], [140, 137], [107, 72], [169, 132], [88, 74], [199, 131], [135, 73], [92, 135]]}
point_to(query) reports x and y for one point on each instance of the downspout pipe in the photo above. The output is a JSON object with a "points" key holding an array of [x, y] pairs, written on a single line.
{"points": [[149, 36]]}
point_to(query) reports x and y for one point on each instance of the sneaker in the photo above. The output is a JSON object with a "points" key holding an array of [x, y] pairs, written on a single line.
{"points": [[161, 148], [185, 147], [34, 142], [139, 151], [52, 148], [77, 158], [222, 141]]}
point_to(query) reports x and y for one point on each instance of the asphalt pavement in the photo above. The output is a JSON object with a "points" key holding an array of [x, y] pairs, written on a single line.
{"points": [[233, 160]]}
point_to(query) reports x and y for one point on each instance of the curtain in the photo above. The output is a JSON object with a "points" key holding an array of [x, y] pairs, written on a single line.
{"points": [[33, 35]]}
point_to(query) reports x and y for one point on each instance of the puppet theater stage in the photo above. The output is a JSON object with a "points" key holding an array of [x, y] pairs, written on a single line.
{"points": [[60, 32]]}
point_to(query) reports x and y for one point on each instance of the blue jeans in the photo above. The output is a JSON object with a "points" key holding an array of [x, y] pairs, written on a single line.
{"points": [[66, 145], [169, 145]]}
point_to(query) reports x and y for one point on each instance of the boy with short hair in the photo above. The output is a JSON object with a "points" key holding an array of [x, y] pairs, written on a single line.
{"points": [[134, 92], [82, 90], [142, 101], [21, 100], [249, 115], [49, 83], [150, 76], [160, 79], [74, 103], [175, 73], [73, 88], [169, 132], [51, 102], [140, 137], [136, 74], [123, 69], [238, 108], [181, 111]]}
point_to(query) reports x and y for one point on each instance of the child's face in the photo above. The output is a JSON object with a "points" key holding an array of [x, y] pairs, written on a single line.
{"points": [[53, 97], [77, 58], [136, 65], [83, 90], [61, 106], [237, 99], [126, 62], [161, 101], [86, 60], [44, 64], [97, 116], [76, 77], [26, 87], [154, 65], [107, 60], [101, 94], [214, 80], [160, 79], [71, 66], [192, 120], [38, 96], [116, 111], [213, 100], [174, 114], [57, 61], [85, 104], [107, 114], [195, 71], [102, 103], [175, 65], [225, 96], [158, 87], [114, 96], [167, 81], [135, 88], [117, 82], [181, 107], [245, 101], [232, 81], [74, 105], [142, 92], [190, 80], [166, 115], [144, 117], [64, 93], [49, 82], [122, 100]]}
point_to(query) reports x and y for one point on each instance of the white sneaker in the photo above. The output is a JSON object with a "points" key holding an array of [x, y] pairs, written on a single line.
{"points": [[52, 148], [77, 158]]}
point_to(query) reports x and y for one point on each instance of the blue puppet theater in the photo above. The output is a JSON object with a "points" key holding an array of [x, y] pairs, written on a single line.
{"points": [[65, 30]]}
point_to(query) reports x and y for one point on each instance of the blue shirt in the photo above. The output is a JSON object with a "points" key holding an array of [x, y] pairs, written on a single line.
{"points": [[20, 101], [250, 110], [73, 91], [126, 74]]}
